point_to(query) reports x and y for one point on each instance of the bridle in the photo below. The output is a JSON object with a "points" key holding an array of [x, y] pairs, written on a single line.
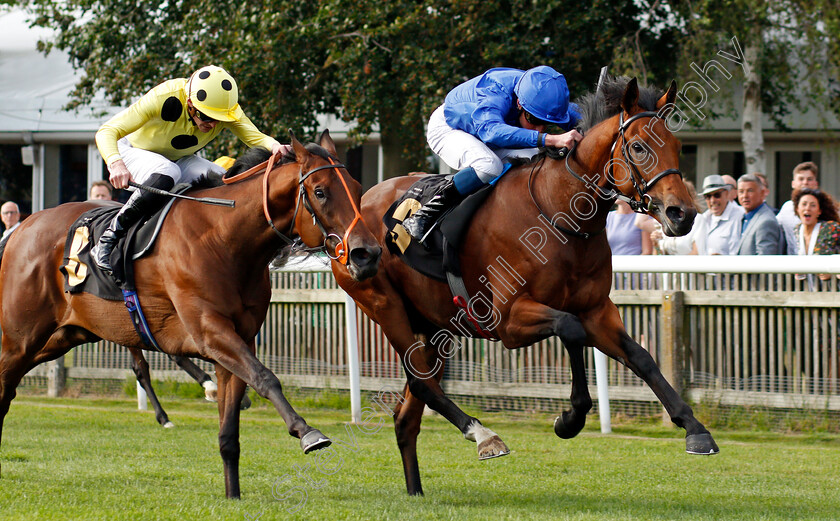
{"points": [[341, 252], [645, 202]]}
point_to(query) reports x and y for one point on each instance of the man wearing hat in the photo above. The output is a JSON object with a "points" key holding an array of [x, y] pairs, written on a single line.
{"points": [[720, 229]]}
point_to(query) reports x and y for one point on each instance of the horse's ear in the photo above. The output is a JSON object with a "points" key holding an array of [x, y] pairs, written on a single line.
{"points": [[669, 97], [327, 143], [300, 150], [631, 96]]}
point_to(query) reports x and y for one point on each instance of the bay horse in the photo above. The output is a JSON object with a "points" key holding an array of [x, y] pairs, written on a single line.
{"points": [[204, 287], [536, 253]]}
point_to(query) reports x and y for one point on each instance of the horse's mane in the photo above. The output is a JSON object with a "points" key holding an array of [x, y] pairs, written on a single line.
{"points": [[606, 103], [257, 155]]}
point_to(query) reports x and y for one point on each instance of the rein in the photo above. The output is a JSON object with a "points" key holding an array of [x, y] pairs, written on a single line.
{"points": [[341, 252]]}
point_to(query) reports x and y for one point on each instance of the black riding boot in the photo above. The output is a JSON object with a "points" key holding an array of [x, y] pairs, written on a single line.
{"points": [[140, 204], [421, 222]]}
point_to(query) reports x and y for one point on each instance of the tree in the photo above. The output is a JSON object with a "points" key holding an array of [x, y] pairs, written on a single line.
{"points": [[790, 54], [378, 64]]}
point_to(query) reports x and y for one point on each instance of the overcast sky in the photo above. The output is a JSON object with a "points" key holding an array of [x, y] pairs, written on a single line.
{"points": [[15, 33]]}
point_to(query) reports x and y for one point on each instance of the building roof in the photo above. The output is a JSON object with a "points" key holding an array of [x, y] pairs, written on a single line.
{"points": [[36, 88]]}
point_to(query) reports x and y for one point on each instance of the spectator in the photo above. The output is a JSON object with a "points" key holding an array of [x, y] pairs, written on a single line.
{"points": [[804, 176], [100, 191], [10, 215], [626, 238], [733, 187], [819, 230], [760, 233], [623, 235], [763, 179], [718, 229]]}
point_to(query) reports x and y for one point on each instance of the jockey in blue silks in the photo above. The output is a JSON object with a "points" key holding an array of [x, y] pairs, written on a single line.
{"points": [[502, 113]]}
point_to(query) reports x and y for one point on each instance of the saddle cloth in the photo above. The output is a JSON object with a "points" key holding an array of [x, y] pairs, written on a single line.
{"points": [[81, 274], [439, 254]]}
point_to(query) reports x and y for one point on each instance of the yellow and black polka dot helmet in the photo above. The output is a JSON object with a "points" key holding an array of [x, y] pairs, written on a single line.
{"points": [[214, 92]]}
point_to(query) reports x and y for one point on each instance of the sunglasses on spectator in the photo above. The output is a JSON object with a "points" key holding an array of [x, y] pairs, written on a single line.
{"points": [[534, 120], [204, 117], [714, 195]]}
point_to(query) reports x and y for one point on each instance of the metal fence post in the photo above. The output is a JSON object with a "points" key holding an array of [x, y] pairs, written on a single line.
{"points": [[673, 343]]}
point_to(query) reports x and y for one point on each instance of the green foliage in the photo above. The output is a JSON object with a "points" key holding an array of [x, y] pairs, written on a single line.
{"points": [[796, 41], [379, 64]]}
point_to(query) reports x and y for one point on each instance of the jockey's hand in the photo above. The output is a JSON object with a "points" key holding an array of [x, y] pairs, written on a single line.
{"points": [[566, 140], [120, 176], [281, 150]]}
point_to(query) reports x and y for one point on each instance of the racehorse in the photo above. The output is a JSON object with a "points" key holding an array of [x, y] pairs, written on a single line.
{"points": [[204, 287], [536, 253]]}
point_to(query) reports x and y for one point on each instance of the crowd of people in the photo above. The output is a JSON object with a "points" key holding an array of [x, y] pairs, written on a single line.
{"points": [[738, 220]]}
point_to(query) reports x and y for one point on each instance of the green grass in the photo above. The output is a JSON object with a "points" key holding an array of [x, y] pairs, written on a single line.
{"points": [[93, 459]]}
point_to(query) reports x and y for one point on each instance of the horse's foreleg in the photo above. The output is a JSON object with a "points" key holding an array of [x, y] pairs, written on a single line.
{"points": [[407, 418], [239, 359], [203, 379], [230, 394], [408, 414], [529, 321], [141, 369], [607, 333]]}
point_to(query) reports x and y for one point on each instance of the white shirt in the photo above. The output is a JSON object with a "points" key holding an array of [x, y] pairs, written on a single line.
{"points": [[719, 234], [788, 220], [9, 231]]}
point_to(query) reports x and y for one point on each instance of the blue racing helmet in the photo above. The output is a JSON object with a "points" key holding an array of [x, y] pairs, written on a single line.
{"points": [[542, 92]]}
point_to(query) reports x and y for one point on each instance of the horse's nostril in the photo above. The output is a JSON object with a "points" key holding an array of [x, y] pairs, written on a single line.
{"points": [[365, 256], [675, 214]]}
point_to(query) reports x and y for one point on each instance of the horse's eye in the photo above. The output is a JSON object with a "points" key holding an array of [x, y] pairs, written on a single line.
{"points": [[320, 194], [637, 147]]}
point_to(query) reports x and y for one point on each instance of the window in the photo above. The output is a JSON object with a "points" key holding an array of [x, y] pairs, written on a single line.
{"points": [[785, 162], [15, 178]]}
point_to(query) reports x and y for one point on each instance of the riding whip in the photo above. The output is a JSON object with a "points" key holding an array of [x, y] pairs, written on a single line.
{"points": [[563, 151], [207, 200]]}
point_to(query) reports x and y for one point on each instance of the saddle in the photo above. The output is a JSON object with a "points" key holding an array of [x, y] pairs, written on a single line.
{"points": [[438, 256], [81, 274]]}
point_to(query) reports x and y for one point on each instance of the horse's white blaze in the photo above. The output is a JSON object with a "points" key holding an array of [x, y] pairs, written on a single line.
{"points": [[478, 433]]}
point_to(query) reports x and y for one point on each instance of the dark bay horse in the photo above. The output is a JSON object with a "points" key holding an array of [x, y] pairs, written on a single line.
{"points": [[536, 253], [204, 288]]}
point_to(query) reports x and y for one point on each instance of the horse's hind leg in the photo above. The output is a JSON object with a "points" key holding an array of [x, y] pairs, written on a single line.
{"points": [[607, 333], [529, 321], [141, 369], [203, 379]]}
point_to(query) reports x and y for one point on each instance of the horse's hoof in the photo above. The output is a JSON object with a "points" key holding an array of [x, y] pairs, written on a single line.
{"points": [[492, 447], [702, 444], [210, 391], [566, 429], [314, 440], [168, 425]]}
